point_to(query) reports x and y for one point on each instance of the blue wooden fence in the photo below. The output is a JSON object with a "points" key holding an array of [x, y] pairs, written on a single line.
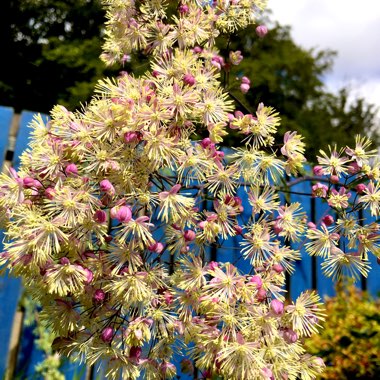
{"points": [[19, 346]]}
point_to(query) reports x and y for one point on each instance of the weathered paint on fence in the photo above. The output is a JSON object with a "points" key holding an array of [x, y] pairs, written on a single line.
{"points": [[307, 275]]}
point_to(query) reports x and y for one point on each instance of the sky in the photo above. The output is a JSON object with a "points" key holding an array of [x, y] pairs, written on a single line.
{"points": [[350, 27]]}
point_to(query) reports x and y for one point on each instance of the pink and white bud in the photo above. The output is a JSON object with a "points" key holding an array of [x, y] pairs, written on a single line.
{"points": [[360, 188], [334, 179], [189, 79], [328, 220], [183, 9], [64, 261], [99, 295], [107, 334], [107, 187], [318, 170], [131, 137], [156, 247], [290, 336], [189, 235], [277, 307], [71, 169], [205, 143], [261, 31], [354, 168], [311, 226], [212, 265], [261, 295], [245, 80], [89, 275], [28, 182], [256, 280], [50, 193], [123, 214], [277, 268], [135, 354], [244, 88], [100, 216]]}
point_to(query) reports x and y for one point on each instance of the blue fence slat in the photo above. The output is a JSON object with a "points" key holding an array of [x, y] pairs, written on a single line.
{"points": [[302, 277], [8, 289], [22, 136], [373, 279], [325, 285], [6, 115]]}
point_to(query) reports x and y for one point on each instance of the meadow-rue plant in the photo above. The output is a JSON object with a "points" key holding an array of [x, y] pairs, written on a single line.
{"points": [[103, 196]]}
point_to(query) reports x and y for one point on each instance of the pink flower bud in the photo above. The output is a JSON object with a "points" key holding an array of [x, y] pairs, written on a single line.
{"points": [[189, 79], [244, 88], [189, 235], [277, 228], [238, 230], [135, 353], [278, 268], [71, 169], [212, 265], [257, 280], [64, 261], [318, 170], [197, 50], [354, 168], [156, 247], [123, 214], [28, 182], [277, 307], [89, 275], [183, 8], [290, 336], [261, 31], [99, 295], [131, 137], [107, 335], [328, 220], [202, 224], [261, 294], [245, 80], [312, 226], [334, 179], [205, 142], [168, 297], [159, 248], [106, 187], [360, 188], [100, 216], [49, 193]]}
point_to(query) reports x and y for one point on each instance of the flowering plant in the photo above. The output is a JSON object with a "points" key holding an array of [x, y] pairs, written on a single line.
{"points": [[350, 337], [105, 197]]}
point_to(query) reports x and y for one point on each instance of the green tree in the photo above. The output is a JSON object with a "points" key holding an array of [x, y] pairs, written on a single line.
{"points": [[51, 52], [290, 78]]}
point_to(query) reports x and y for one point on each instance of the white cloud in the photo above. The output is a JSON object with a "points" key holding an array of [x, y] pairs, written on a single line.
{"points": [[352, 28]]}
